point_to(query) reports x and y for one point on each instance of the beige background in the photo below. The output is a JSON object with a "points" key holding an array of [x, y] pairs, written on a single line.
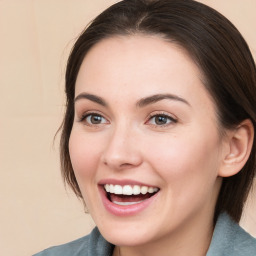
{"points": [[35, 39]]}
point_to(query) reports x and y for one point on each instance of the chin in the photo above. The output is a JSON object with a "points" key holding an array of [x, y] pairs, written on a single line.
{"points": [[127, 237]]}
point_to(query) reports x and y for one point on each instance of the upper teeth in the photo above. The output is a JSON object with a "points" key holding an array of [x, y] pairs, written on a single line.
{"points": [[129, 190]]}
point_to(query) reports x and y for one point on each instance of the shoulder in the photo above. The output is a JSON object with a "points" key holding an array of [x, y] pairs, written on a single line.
{"points": [[75, 247], [230, 239], [90, 245]]}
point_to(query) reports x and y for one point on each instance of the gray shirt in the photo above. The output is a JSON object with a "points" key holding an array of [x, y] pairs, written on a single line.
{"points": [[229, 239]]}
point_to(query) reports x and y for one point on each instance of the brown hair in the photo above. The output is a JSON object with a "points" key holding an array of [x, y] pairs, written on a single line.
{"points": [[214, 44]]}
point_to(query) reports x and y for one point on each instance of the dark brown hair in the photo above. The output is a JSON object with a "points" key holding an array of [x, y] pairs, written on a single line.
{"points": [[213, 43]]}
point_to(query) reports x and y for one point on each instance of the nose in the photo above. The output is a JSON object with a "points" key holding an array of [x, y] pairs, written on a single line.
{"points": [[122, 151]]}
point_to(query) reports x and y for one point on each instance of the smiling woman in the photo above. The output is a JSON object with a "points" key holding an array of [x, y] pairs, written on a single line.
{"points": [[158, 136]]}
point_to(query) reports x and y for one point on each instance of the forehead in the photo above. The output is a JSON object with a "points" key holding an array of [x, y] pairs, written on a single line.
{"points": [[136, 55], [141, 49], [139, 66]]}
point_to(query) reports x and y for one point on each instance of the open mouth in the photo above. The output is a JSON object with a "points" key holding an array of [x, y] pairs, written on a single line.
{"points": [[129, 194]]}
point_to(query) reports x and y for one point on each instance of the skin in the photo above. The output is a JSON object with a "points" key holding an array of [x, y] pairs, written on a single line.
{"points": [[183, 157]]}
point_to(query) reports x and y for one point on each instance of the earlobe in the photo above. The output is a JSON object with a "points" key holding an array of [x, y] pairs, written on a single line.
{"points": [[239, 144]]}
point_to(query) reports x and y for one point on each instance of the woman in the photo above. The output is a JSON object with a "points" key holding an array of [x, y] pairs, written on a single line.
{"points": [[158, 136]]}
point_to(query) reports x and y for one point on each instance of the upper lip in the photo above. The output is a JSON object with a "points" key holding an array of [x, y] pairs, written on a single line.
{"points": [[124, 182]]}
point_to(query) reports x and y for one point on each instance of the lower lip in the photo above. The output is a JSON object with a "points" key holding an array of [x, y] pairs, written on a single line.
{"points": [[125, 210]]}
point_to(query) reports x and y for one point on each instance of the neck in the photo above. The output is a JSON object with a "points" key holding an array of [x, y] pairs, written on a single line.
{"points": [[193, 239]]}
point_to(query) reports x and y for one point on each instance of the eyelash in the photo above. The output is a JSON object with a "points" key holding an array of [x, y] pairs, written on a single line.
{"points": [[95, 114], [170, 119]]}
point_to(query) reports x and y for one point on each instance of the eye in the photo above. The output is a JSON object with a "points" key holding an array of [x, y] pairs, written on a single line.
{"points": [[93, 119], [161, 120]]}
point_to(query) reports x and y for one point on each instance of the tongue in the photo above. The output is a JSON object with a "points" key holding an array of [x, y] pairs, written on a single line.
{"points": [[125, 198]]}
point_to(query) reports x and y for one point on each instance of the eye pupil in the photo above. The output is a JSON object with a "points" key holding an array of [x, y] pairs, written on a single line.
{"points": [[161, 120], [95, 119]]}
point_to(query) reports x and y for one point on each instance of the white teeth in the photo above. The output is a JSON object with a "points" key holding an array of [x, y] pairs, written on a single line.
{"points": [[143, 190], [136, 190], [107, 187], [129, 190], [111, 188], [151, 190], [127, 203], [118, 190]]}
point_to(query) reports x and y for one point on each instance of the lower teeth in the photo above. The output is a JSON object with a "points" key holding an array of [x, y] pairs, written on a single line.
{"points": [[127, 203]]}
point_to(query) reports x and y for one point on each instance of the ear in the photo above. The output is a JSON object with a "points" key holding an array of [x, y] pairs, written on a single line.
{"points": [[238, 145]]}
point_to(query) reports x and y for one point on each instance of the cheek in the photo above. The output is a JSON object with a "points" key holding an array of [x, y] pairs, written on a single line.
{"points": [[186, 163], [84, 155]]}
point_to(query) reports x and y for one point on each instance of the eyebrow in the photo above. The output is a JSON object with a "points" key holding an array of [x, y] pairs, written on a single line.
{"points": [[141, 103], [157, 97], [91, 97]]}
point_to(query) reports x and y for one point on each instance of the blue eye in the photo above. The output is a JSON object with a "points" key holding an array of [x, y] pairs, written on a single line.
{"points": [[94, 119], [161, 120]]}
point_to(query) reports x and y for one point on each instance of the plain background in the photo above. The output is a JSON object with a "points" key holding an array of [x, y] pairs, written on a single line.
{"points": [[35, 38]]}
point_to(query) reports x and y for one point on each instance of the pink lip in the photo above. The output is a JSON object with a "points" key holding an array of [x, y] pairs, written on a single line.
{"points": [[124, 210], [123, 182]]}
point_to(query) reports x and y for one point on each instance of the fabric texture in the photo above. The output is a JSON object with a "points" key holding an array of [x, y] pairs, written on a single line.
{"points": [[91, 245], [229, 239]]}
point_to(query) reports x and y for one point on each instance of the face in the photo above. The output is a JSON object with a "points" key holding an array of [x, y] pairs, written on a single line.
{"points": [[144, 146]]}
